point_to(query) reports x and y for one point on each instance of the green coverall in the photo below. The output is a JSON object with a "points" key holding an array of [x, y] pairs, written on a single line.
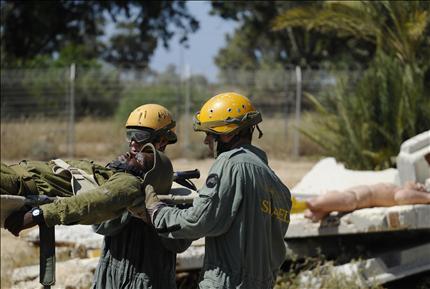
{"points": [[243, 211], [135, 257]]}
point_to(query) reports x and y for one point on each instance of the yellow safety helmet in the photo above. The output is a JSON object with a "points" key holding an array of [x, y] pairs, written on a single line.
{"points": [[225, 113], [155, 117]]}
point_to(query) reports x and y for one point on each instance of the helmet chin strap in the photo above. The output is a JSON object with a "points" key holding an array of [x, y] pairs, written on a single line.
{"points": [[223, 146], [215, 146]]}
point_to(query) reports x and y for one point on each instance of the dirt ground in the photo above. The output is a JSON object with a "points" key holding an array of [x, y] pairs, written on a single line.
{"points": [[289, 171], [15, 252]]}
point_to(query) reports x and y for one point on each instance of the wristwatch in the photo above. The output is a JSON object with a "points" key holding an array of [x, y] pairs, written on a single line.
{"points": [[37, 215]]}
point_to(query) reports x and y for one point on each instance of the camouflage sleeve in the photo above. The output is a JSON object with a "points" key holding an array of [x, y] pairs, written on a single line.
{"points": [[103, 203]]}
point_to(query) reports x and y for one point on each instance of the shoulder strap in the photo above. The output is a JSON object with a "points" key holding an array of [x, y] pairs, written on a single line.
{"points": [[81, 181]]}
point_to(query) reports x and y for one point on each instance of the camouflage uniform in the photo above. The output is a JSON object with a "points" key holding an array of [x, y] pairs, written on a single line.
{"points": [[116, 191], [243, 211]]}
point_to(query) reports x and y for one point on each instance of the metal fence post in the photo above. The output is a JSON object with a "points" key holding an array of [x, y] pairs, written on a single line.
{"points": [[296, 144], [187, 108], [287, 100], [71, 126]]}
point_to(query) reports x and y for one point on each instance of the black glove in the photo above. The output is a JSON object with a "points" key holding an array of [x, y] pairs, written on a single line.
{"points": [[18, 221]]}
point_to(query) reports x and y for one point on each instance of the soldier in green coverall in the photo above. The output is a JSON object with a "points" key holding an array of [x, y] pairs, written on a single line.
{"points": [[134, 256], [243, 209]]}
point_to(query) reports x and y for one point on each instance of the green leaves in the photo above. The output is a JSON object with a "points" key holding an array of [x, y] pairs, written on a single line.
{"points": [[365, 128], [397, 27], [391, 102]]}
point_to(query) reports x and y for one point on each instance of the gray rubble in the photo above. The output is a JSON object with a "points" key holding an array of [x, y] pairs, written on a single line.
{"points": [[71, 274], [406, 217]]}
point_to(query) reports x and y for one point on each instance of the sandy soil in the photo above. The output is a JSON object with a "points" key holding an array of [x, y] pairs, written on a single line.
{"points": [[290, 172]]}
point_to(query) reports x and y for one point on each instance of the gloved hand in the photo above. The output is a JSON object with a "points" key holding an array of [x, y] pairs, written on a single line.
{"points": [[138, 209], [18, 221], [152, 202]]}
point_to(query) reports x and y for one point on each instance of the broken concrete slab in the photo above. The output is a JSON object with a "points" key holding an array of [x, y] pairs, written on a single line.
{"points": [[191, 259], [406, 217], [71, 274], [76, 235], [366, 273], [320, 180]]}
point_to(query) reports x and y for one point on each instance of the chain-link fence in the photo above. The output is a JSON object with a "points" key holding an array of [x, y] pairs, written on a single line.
{"points": [[40, 108]]}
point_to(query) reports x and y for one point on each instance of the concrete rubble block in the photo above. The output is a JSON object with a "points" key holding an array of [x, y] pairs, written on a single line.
{"points": [[406, 217], [72, 241], [319, 179], [192, 258], [384, 268], [77, 235], [71, 274]]}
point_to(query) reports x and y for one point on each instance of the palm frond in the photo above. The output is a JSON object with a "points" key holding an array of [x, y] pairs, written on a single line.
{"points": [[316, 103], [345, 24]]}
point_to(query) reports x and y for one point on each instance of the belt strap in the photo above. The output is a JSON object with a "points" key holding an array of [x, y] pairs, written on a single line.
{"points": [[81, 181], [47, 256]]}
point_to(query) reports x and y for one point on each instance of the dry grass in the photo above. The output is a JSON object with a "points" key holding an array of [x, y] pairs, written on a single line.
{"points": [[44, 139]]}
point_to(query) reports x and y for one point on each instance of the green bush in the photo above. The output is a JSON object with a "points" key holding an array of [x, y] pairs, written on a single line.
{"points": [[364, 128], [46, 92], [137, 95], [170, 95]]}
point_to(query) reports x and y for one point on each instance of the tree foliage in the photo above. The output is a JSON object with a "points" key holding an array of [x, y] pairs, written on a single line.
{"points": [[255, 45], [30, 29], [391, 103], [365, 127], [399, 27], [45, 92]]}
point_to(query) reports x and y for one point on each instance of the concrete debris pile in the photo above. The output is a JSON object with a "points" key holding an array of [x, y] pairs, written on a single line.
{"points": [[329, 175], [362, 234]]}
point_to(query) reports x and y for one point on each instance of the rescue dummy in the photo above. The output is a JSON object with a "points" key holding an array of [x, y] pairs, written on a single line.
{"points": [[359, 197]]}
